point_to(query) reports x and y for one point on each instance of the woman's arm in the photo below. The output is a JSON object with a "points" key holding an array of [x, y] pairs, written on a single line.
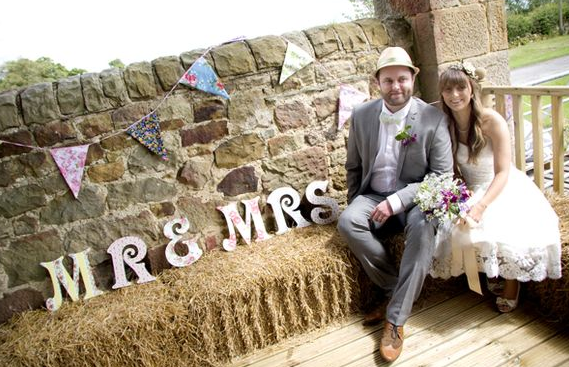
{"points": [[494, 127]]}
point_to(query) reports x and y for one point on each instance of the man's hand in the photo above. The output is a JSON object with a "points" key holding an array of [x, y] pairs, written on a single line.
{"points": [[382, 212]]}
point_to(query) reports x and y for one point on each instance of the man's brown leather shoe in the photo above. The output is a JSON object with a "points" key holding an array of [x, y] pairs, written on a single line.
{"points": [[374, 317], [391, 342]]}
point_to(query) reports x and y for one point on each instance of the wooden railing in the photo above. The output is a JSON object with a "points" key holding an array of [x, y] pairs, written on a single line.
{"points": [[499, 97]]}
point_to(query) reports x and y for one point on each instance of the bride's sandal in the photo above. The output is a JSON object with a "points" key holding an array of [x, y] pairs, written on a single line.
{"points": [[496, 287], [506, 305]]}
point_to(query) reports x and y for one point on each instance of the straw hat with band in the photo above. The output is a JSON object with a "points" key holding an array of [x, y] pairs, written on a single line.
{"points": [[395, 56]]}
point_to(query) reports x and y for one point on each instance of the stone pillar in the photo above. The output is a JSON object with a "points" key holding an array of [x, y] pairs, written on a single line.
{"points": [[446, 31]]}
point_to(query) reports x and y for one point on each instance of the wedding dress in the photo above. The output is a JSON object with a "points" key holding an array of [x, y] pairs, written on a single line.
{"points": [[518, 236]]}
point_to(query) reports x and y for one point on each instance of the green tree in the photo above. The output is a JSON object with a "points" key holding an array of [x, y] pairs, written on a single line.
{"points": [[23, 72], [116, 63], [362, 8]]}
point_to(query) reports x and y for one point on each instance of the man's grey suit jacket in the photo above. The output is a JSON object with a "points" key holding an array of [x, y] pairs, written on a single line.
{"points": [[430, 153]]}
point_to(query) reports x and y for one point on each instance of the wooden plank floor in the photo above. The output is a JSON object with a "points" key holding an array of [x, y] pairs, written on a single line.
{"points": [[463, 330]]}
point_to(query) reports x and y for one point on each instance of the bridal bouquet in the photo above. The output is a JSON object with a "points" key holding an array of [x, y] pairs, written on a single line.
{"points": [[442, 197]]}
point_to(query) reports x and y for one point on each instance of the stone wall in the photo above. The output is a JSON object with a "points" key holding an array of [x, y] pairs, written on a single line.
{"points": [[266, 136], [447, 31]]}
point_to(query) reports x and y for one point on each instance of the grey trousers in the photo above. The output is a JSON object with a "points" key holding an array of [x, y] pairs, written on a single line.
{"points": [[404, 284]]}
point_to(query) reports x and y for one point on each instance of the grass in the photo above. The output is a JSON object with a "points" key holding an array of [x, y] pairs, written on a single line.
{"points": [[538, 51]]}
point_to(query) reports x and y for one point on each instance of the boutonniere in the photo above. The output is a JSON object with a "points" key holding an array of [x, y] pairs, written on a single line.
{"points": [[406, 137]]}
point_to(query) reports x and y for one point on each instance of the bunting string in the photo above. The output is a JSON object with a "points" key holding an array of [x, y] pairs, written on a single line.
{"points": [[200, 75]]}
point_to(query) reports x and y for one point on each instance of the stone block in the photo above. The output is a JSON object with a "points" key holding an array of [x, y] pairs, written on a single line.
{"points": [[37, 163], [21, 260], [156, 258], [21, 199], [240, 150], [95, 125], [26, 224], [299, 38], [65, 208], [176, 107], [297, 169], [168, 70], [39, 104], [336, 70], [10, 170], [20, 137], [269, 51], [117, 143], [239, 181], [189, 57], [196, 172], [375, 32], [233, 59], [442, 4], [141, 160], [95, 100], [351, 36], [70, 95], [496, 13], [53, 133], [323, 40], [127, 115], [114, 87], [248, 110], [410, 8], [152, 189], [201, 213], [100, 234], [139, 81], [325, 103], [460, 33], [423, 28], [106, 172], [283, 144], [205, 133], [292, 115], [210, 109], [19, 301], [164, 209], [9, 115]]}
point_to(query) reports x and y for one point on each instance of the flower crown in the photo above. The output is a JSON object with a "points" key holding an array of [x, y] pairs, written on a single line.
{"points": [[466, 68]]}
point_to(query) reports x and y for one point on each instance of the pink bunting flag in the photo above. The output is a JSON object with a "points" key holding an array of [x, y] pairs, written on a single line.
{"points": [[71, 163], [349, 98]]}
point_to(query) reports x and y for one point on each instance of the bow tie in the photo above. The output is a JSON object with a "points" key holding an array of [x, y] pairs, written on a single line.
{"points": [[384, 118]]}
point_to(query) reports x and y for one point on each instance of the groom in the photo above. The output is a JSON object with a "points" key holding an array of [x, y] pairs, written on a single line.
{"points": [[384, 168]]}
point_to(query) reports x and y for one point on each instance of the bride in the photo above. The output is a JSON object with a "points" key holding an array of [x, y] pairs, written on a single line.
{"points": [[510, 227]]}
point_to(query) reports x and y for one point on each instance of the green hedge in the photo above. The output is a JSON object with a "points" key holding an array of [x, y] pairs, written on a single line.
{"points": [[542, 21]]}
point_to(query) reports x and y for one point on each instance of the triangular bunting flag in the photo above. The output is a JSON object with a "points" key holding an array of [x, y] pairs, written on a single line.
{"points": [[147, 132], [349, 98], [71, 163], [201, 76], [295, 59]]}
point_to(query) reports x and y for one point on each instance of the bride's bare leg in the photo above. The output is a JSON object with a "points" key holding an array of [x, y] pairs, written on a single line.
{"points": [[509, 299]]}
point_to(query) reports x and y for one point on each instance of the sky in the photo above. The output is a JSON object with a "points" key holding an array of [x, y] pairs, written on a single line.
{"points": [[87, 34]]}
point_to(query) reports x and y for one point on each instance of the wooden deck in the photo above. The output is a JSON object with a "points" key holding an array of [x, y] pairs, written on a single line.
{"points": [[463, 330]]}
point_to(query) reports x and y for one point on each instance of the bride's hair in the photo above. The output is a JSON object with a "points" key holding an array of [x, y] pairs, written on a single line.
{"points": [[455, 75]]}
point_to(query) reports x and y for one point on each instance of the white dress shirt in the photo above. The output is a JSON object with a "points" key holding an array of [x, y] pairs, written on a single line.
{"points": [[384, 173]]}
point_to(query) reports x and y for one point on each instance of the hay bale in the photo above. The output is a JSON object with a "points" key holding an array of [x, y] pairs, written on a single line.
{"points": [[552, 295], [223, 306]]}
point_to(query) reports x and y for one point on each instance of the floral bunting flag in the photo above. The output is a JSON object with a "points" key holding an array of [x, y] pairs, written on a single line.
{"points": [[295, 59], [201, 76], [349, 98], [71, 163], [147, 132]]}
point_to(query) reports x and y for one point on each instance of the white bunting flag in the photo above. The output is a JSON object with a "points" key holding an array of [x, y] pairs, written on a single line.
{"points": [[295, 59]]}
